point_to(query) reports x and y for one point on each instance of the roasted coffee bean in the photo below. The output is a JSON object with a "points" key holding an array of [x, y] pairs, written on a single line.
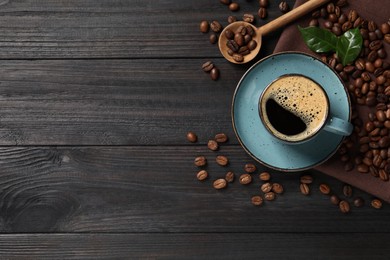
{"points": [[344, 206], [225, 2], [330, 8], [376, 203], [387, 38], [371, 26], [284, 7], [243, 50], [249, 18], [337, 30], [252, 45], [359, 21], [204, 26], [263, 3], [379, 34], [342, 19], [232, 19], [366, 76], [234, 7], [277, 188], [250, 31], [328, 24], [222, 160], [192, 137], [229, 34], [229, 177], [348, 166], [375, 45], [334, 19], [334, 200], [265, 176], [257, 200], [262, 13], [238, 57], [352, 15], [269, 196], [306, 179], [347, 191], [239, 39], [313, 22], [358, 202], [360, 64], [384, 142], [362, 168], [241, 29], [247, 39], [385, 28], [208, 66], [346, 26], [266, 187], [383, 175], [202, 175], [305, 190], [381, 115], [200, 161], [219, 184], [215, 26], [250, 168], [212, 145], [214, 73], [213, 38], [245, 178], [324, 189], [221, 138]]}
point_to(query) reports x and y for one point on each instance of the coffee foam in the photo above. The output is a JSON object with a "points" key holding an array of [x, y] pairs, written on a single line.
{"points": [[302, 97]]}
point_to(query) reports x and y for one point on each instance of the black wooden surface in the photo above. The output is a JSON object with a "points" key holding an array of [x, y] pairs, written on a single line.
{"points": [[96, 100]]}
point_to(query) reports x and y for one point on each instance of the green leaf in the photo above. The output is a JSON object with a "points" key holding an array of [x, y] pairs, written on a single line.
{"points": [[319, 40], [349, 46]]}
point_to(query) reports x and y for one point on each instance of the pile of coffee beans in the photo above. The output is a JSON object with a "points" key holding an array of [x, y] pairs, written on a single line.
{"points": [[240, 42], [368, 80]]}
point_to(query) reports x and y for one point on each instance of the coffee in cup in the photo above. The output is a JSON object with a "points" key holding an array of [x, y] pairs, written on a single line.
{"points": [[294, 108]]}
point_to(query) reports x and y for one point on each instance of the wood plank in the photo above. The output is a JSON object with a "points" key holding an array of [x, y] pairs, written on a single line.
{"points": [[154, 189], [114, 29], [113, 102], [195, 246]]}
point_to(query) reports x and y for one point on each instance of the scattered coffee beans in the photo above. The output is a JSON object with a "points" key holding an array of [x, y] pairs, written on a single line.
{"points": [[207, 66], [269, 196], [344, 206], [192, 137], [221, 138], [212, 145], [358, 202], [204, 26], [325, 189], [334, 200], [245, 179], [305, 190], [284, 7], [222, 160], [229, 177], [250, 168], [265, 176], [307, 179], [257, 200], [202, 175], [220, 184], [277, 188], [234, 7], [347, 191], [376, 203], [266, 187], [200, 161], [214, 73]]}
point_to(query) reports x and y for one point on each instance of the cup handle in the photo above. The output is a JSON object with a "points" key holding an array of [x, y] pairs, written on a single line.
{"points": [[338, 126]]}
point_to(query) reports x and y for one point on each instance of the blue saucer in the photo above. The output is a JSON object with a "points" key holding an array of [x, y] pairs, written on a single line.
{"points": [[253, 135]]}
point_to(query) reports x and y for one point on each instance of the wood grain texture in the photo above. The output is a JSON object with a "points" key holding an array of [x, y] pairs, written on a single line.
{"points": [[195, 246], [113, 29], [113, 102], [154, 189]]}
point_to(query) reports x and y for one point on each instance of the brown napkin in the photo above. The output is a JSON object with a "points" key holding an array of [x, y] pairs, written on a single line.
{"points": [[291, 40]]}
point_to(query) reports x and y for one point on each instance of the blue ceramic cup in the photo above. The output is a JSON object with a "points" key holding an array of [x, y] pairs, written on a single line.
{"points": [[294, 108], [309, 148]]}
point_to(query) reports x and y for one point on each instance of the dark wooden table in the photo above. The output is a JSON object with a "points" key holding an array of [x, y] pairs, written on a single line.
{"points": [[96, 100]]}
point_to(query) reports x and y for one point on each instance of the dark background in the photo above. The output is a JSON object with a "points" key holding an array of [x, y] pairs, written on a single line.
{"points": [[96, 100]]}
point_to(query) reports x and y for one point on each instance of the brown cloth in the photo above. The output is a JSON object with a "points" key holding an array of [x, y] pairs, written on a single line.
{"points": [[291, 40]]}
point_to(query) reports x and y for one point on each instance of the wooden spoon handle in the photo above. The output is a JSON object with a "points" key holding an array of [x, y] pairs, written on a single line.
{"points": [[291, 16]]}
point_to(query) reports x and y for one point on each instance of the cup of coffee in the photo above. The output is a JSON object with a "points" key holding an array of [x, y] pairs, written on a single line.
{"points": [[295, 108]]}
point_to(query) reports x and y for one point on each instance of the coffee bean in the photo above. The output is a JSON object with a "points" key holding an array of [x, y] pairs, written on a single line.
{"points": [[307, 179], [269, 196], [250, 168], [284, 7], [204, 26], [192, 137], [252, 45], [344, 206], [376, 203], [324, 189], [265, 176], [216, 26], [375, 45], [214, 73], [358, 202], [213, 38], [202, 175], [245, 178], [208, 66], [257, 200], [221, 138], [347, 191], [212, 145], [305, 190], [384, 142], [334, 200], [277, 188], [266, 187], [383, 175], [263, 3], [219, 184], [330, 8], [234, 7], [385, 28], [200, 161], [225, 2], [229, 177], [328, 25], [238, 57], [313, 22], [249, 18], [222, 160], [262, 13], [231, 44], [387, 38], [334, 19], [229, 34], [232, 19], [239, 39], [362, 168], [243, 50]]}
